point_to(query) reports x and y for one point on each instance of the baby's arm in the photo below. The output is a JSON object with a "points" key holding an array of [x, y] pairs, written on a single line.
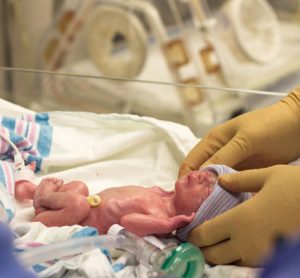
{"points": [[146, 224], [62, 208]]}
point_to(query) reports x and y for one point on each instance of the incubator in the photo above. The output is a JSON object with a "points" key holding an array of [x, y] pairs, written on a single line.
{"points": [[223, 44], [185, 260]]}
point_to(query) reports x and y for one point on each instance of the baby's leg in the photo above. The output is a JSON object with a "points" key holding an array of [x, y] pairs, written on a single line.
{"points": [[62, 208], [24, 190]]}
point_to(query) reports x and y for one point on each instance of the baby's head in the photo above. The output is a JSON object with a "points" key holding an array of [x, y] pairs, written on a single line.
{"points": [[192, 189]]}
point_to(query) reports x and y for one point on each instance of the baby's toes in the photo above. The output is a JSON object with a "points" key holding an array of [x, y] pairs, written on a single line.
{"points": [[51, 181], [58, 181]]}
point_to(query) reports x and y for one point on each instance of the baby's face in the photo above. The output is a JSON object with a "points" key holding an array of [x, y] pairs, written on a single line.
{"points": [[192, 189]]}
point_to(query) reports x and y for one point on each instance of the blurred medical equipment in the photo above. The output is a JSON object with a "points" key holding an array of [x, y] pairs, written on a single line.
{"points": [[255, 27], [184, 260], [130, 39], [181, 42], [288, 10], [126, 24], [68, 248], [205, 116]]}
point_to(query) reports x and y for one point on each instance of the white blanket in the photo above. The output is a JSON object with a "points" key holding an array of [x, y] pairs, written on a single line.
{"points": [[104, 151]]}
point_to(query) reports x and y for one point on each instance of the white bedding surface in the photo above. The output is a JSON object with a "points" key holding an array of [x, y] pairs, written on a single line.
{"points": [[103, 151], [9, 109]]}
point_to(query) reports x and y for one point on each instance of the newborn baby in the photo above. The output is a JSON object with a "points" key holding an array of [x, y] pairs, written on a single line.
{"points": [[140, 210]]}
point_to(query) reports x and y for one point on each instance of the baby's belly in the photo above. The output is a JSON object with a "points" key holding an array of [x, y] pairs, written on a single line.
{"points": [[116, 209], [112, 211], [103, 218], [93, 220]]}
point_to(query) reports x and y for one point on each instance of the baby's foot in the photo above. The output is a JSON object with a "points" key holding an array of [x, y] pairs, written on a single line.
{"points": [[49, 184], [51, 181], [46, 186]]}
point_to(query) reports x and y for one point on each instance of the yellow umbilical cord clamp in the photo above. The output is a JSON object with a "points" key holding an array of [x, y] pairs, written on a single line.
{"points": [[94, 200]]}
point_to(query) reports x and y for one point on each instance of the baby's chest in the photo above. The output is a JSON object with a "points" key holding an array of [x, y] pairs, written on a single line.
{"points": [[138, 204]]}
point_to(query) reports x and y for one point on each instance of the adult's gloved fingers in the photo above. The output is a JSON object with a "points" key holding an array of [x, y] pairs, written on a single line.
{"points": [[184, 169], [199, 154], [221, 253], [244, 181], [235, 151], [212, 231], [209, 145]]}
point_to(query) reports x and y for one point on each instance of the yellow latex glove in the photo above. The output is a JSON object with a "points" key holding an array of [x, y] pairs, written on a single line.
{"points": [[256, 139], [246, 233]]}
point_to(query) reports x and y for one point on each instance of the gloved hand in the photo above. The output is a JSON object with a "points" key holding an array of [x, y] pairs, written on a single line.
{"points": [[246, 233], [256, 139]]}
